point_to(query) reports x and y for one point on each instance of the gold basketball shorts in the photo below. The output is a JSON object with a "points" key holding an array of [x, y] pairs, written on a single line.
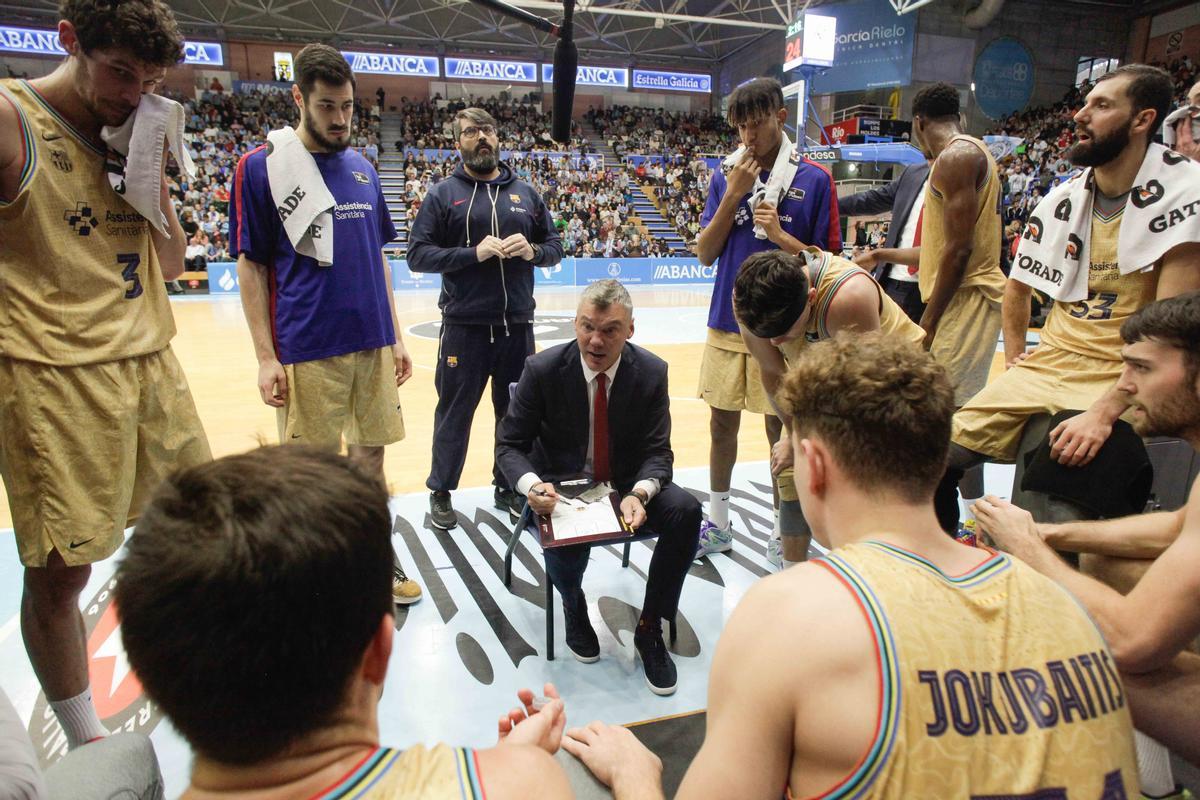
{"points": [[352, 396], [1048, 381], [82, 448]]}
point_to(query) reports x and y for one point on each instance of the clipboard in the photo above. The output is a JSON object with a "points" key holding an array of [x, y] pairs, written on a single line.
{"points": [[599, 521]]}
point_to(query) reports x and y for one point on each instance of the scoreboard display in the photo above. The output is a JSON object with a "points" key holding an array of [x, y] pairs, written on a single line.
{"points": [[810, 40]]}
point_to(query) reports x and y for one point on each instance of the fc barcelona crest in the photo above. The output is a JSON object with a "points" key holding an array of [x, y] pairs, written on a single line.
{"points": [[61, 160], [516, 198]]}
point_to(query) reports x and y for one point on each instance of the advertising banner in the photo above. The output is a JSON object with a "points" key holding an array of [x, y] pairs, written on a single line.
{"points": [[1004, 77], [874, 47]]}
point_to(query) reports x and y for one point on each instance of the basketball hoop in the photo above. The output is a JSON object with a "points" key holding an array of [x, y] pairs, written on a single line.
{"points": [[905, 6]]}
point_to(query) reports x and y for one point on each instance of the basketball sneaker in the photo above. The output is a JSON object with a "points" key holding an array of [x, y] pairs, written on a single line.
{"points": [[713, 539], [775, 552], [405, 591], [1180, 794], [441, 512]]}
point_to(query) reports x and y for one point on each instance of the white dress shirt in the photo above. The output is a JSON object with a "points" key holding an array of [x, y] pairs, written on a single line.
{"points": [[649, 485]]}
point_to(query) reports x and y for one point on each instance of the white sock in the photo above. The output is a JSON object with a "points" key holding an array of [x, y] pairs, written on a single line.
{"points": [[718, 509], [78, 718], [1154, 767], [776, 531]]}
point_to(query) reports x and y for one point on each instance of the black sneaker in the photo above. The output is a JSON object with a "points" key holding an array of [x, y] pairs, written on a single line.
{"points": [[510, 501], [660, 669], [581, 637], [441, 513]]}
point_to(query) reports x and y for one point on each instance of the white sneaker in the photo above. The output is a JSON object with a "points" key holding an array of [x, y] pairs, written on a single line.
{"points": [[713, 539], [775, 552]]}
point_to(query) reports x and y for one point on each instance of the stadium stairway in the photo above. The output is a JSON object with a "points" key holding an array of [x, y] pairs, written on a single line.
{"points": [[642, 206], [391, 179]]}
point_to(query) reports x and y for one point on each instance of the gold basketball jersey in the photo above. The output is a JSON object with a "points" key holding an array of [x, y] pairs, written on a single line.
{"points": [[829, 273], [439, 773], [1092, 327], [81, 279], [983, 266], [993, 683]]}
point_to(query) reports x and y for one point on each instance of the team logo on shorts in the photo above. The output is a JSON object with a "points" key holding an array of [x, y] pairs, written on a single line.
{"points": [[1148, 195], [361, 177], [451, 361], [516, 198], [116, 691], [1033, 230], [1063, 212], [1074, 247], [61, 160], [81, 219]]}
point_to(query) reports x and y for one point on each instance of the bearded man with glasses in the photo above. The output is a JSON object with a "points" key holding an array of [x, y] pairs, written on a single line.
{"points": [[484, 231]]}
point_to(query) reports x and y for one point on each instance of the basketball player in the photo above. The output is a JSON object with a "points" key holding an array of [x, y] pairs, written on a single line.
{"points": [[94, 408], [806, 215], [1149, 623], [1077, 362], [283, 616], [959, 266], [327, 338], [784, 301], [997, 694]]}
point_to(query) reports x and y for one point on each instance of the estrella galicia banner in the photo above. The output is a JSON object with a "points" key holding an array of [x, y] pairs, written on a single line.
{"points": [[874, 47], [1003, 77]]}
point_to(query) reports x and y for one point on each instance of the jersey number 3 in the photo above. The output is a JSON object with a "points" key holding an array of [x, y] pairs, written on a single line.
{"points": [[130, 262]]}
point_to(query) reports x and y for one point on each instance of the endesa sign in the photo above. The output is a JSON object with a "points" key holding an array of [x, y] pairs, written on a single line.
{"points": [[672, 81], [393, 64], [592, 76], [485, 70], [45, 42]]}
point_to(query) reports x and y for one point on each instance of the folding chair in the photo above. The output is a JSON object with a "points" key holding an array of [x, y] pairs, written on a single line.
{"points": [[523, 523]]}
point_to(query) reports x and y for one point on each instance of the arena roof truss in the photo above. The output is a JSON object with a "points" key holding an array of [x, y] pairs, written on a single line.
{"points": [[620, 32]]}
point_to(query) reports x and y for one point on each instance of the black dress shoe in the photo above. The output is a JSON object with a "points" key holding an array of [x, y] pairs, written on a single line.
{"points": [[441, 513], [510, 501], [581, 637], [660, 669]]}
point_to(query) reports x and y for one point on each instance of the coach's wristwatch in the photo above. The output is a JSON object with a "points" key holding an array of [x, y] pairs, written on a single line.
{"points": [[537, 253], [641, 495]]}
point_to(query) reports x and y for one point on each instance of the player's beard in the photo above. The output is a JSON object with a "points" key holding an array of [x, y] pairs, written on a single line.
{"points": [[1099, 151], [481, 163], [323, 141], [1177, 414]]}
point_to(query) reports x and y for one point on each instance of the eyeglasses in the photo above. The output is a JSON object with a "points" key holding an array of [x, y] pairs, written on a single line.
{"points": [[473, 131]]}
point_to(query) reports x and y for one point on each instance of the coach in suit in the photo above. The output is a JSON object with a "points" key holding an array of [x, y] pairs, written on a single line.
{"points": [[902, 197], [598, 407]]}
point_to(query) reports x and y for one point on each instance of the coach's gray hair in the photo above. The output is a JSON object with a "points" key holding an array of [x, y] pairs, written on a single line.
{"points": [[475, 116], [603, 294]]}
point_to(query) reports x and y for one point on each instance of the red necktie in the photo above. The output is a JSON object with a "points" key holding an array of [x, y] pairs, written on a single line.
{"points": [[912, 270], [600, 469]]}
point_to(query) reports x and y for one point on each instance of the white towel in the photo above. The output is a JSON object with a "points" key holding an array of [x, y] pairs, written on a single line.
{"points": [[782, 174], [135, 159], [303, 201], [1163, 212]]}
